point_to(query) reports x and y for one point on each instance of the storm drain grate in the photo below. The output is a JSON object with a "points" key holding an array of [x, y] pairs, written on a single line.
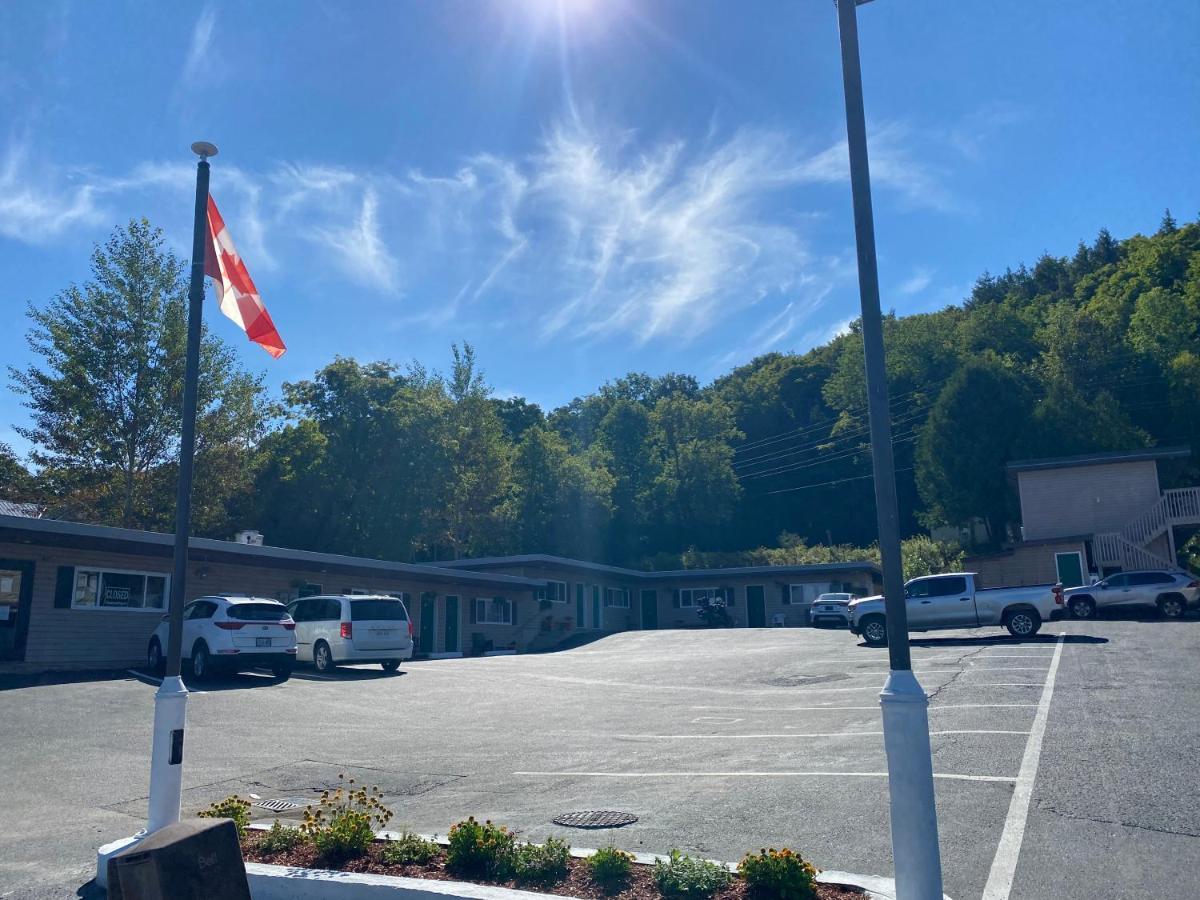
{"points": [[276, 805], [590, 818]]}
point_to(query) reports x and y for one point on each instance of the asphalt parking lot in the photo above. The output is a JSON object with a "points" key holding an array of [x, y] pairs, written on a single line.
{"points": [[719, 741]]}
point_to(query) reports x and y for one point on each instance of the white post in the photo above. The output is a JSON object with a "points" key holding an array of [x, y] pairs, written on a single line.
{"points": [[915, 850], [166, 753]]}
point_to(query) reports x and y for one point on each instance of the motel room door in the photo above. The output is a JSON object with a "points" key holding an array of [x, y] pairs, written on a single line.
{"points": [[428, 623], [649, 609], [451, 624], [756, 606], [16, 597]]}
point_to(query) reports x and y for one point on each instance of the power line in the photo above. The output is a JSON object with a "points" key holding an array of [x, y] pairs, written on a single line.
{"points": [[906, 438], [860, 431], [805, 487]]}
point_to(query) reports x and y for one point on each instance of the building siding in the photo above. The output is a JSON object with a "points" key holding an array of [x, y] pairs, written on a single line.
{"points": [[1023, 565], [1085, 500], [103, 638]]}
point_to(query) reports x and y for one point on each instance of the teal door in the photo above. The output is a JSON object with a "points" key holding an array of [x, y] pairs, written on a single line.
{"points": [[428, 621], [579, 622], [597, 609], [649, 609], [756, 606], [1070, 568], [451, 624]]}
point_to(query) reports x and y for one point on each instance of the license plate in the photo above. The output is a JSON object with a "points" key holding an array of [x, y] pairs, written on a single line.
{"points": [[262, 642], [383, 632]]}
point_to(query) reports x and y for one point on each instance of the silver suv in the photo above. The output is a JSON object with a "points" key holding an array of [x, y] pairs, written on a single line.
{"points": [[1173, 593]]}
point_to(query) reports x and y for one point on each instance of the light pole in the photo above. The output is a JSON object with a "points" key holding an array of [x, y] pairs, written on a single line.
{"points": [[170, 701], [904, 704]]}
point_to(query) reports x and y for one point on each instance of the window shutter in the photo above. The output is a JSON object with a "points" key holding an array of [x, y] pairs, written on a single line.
{"points": [[787, 594], [730, 600], [675, 598], [63, 587], [474, 610], [512, 610]]}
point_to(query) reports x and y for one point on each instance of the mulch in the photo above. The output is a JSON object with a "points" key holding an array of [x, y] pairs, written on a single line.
{"points": [[578, 883]]}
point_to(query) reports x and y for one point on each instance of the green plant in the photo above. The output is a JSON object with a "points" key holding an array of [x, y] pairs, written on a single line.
{"points": [[480, 850], [232, 807], [280, 838], [543, 863], [344, 822], [609, 868], [778, 875], [689, 878], [409, 850]]}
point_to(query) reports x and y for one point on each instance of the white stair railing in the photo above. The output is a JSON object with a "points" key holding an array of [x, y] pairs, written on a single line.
{"points": [[1112, 549], [1182, 505]]}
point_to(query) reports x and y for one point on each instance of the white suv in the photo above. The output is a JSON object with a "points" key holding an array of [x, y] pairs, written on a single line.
{"points": [[230, 634], [833, 607], [1172, 592], [352, 628]]}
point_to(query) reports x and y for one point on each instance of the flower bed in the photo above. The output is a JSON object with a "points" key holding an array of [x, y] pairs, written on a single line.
{"points": [[339, 834], [578, 882]]}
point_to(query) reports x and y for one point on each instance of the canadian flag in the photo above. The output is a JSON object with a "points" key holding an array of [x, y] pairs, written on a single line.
{"points": [[236, 293]]}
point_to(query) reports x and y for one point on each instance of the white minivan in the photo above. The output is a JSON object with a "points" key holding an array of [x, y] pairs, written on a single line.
{"points": [[352, 628]]}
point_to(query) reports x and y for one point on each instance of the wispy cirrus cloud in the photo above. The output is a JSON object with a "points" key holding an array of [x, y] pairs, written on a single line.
{"points": [[199, 61], [38, 201], [594, 234], [921, 278]]}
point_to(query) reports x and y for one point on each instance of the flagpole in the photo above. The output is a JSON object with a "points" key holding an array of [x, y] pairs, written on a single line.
{"points": [[170, 702]]}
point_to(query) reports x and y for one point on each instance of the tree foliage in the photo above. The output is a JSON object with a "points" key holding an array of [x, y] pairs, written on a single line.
{"points": [[1096, 351], [106, 393]]}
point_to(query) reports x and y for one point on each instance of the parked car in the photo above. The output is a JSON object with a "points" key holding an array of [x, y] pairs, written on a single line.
{"points": [[352, 628], [834, 607], [958, 600], [1173, 593], [230, 634]]}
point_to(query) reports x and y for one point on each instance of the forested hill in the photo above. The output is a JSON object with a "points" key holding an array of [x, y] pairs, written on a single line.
{"points": [[1099, 351]]}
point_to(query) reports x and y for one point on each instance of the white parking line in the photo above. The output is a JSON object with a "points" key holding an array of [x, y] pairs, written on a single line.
{"points": [[1004, 865], [943, 775], [823, 734], [762, 709]]}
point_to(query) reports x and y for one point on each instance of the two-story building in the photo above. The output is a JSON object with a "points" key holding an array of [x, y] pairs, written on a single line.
{"points": [[1092, 515]]}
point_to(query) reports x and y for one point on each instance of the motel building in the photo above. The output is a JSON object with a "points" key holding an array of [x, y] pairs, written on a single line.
{"points": [[75, 596]]}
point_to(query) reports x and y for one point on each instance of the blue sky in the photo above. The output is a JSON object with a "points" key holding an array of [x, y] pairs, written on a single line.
{"points": [[586, 187]]}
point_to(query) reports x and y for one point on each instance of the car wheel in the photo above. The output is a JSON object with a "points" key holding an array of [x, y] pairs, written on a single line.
{"points": [[1023, 623], [1172, 606], [391, 665], [201, 662], [154, 657], [282, 672], [323, 658], [874, 631], [1083, 608]]}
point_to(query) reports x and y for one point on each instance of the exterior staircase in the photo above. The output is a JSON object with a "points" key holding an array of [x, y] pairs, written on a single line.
{"points": [[1128, 548]]}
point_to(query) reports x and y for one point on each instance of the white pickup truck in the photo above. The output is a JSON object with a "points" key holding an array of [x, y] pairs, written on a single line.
{"points": [[957, 600]]}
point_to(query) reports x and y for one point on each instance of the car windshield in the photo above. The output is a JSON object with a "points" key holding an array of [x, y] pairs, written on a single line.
{"points": [[257, 612], [377, 610]]}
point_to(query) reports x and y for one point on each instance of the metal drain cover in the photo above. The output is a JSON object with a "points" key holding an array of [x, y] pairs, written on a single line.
{"points": [[276, 805], [603, 818]]}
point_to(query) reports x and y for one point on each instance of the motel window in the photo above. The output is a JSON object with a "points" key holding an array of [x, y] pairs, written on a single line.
{"points": [[555, 591], [694, 596], [616, 597], [119, 589], [493, 611], [807, 593]]}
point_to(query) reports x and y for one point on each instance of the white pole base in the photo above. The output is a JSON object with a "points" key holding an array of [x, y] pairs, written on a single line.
{"points": [[910, 782], [108, 851]]}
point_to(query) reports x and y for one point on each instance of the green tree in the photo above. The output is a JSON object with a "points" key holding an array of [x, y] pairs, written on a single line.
{"points": [[16, 481], [560, 503], [966, 442], [106, 395]]}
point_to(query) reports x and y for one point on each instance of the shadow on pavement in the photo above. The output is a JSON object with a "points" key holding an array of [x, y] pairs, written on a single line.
{"points": [[91, 891], [14, 680], [1048, 639]]}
